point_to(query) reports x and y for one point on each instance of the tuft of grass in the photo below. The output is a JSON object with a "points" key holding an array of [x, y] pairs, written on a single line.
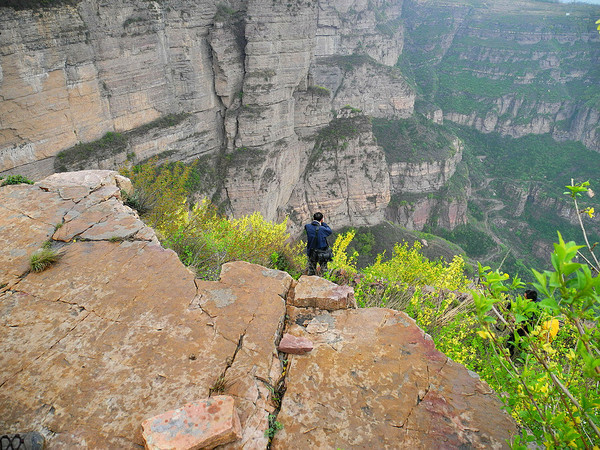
{"points": [[219, 386], [43, 258], [116, 239]]}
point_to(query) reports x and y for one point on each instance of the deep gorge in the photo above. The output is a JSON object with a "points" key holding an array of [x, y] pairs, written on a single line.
{"points": [[278, 101]]}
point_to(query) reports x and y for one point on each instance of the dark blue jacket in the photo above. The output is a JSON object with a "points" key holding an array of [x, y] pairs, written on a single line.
{"points": [[324, 231]]}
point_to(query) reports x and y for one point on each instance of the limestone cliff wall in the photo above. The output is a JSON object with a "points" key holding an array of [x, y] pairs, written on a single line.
{"points": [[253, 83]]}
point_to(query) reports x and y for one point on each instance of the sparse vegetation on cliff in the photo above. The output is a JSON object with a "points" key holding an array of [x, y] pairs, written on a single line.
{"points": [[35, 4], [80, 156], [413, 140], [319, 91], [86, 155]]}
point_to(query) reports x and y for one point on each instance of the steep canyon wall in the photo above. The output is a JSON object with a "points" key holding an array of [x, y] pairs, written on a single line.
{"points": [[516, 69], [250, 85], [267, 95]]}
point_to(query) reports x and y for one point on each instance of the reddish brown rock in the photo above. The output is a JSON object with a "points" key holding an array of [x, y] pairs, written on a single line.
{"points": [[317, 292], [295, 345], [375, 380], [116, 332], [203, 424]]}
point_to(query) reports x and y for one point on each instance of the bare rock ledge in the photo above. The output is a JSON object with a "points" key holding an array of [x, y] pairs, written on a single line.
{"points": [[119, 331]]}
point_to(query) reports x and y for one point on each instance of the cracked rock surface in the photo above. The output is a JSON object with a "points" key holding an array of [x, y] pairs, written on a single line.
{"points": [[119, 331], [375, 380]]}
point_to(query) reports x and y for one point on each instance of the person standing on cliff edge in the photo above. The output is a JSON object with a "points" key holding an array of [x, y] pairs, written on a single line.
{"points": [[317, 248]]}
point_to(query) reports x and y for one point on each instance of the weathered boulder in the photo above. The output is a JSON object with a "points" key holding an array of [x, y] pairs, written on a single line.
{"points": [[317, 292], [375, 380]]}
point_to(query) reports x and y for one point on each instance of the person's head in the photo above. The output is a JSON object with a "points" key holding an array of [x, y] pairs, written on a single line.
{"points": [[531, 294], [318, 216]]}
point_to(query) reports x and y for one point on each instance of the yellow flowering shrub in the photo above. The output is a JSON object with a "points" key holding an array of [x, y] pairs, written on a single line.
{"points": [[203, 238]]}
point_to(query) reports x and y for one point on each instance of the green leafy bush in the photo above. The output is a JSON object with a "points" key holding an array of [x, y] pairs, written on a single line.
{"points": [[551, 388], [14, 179]]}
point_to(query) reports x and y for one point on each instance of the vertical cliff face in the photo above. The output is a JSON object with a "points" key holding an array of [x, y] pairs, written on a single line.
{"points": [[251, 87], [345, 176], [71, 74]]}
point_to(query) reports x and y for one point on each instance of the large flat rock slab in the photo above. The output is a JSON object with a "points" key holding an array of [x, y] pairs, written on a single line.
{"points": [[117, 332], [375, 380]]}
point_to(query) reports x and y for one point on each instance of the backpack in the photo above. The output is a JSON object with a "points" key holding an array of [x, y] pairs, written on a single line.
{"points": [[321, 255]]}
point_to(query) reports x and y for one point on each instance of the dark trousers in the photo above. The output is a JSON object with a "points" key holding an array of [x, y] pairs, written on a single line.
{"points": [[311, 266]]}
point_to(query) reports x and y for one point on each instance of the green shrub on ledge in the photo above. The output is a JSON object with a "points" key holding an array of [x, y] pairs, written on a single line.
{"points": [[15, 179]]}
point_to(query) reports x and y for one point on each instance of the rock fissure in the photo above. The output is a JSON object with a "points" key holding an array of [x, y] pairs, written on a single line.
{"points": [[25, 215], [279, 388], [32, 362], [91, 311]]}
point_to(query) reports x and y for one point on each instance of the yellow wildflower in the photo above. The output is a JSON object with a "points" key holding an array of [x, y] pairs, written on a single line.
{"points": [[485, 334]]}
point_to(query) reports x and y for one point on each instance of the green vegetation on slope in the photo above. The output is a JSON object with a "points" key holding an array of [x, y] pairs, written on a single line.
{"points": [[517, 195], [531, 158], [415, 139], [465, 58]]}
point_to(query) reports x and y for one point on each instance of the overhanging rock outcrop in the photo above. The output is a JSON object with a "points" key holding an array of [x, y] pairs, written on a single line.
{"points": [[118, 331]]}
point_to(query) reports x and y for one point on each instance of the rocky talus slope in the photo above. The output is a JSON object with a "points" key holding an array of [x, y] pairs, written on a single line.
{"points": [[118, 331]]}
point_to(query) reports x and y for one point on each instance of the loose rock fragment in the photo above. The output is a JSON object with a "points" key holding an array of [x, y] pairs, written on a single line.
{"points": [[203, 424], [320, 293], [295, 345]]}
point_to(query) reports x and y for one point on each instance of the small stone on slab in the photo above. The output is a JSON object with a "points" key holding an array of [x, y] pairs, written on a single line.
{"points": [[295, 345], [203, 424]]}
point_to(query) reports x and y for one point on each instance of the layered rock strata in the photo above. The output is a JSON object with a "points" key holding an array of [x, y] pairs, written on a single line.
{"points": [[244, 73], [118, 330]]}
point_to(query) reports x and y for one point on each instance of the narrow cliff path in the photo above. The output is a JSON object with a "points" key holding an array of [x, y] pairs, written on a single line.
{"points": [[489, 205]]}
